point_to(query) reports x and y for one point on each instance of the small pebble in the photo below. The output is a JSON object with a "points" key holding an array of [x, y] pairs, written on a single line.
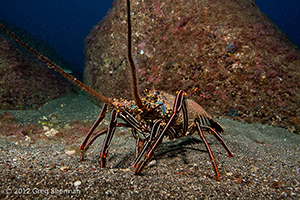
{"points": [[27, 138], [125, 170], [52, 132], [77, 183], [64, 168], [70, 152], [151, 163], [53, 116]]}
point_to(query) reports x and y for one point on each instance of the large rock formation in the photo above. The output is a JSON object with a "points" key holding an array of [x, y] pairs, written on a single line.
{"points": [[226, 55], [26, 82]]}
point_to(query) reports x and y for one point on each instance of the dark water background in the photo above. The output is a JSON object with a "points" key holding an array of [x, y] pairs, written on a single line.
{"points": [[64, 24]]}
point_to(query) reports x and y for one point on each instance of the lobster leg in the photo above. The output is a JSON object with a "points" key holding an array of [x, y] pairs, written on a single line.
{"points": [[94, 138], [176, 108], [101, 133], [220, 139], [83, 146], [131, 121], [110, 132], [154, 132], [208, 149]]}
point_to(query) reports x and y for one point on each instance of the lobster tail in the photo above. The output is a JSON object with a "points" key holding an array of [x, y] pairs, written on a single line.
{"points": [[207, 121], [215, 125]]}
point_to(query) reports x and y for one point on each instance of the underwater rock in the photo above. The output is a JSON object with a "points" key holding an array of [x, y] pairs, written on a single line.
{"points": [[25, 82], [226, 55], [51, 133]]}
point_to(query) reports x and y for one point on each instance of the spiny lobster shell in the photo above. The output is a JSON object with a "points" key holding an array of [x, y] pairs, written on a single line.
{"points": [[195, 111]]}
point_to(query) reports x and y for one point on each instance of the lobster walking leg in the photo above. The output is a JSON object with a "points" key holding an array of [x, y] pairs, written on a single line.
{"points": [[208, 149], [157, 141], [220, 139], [111, 130], [154, 132], [94, 138], [83, 146]]}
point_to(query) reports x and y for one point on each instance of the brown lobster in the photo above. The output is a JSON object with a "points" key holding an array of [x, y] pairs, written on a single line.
{"points": [[151, 118]]}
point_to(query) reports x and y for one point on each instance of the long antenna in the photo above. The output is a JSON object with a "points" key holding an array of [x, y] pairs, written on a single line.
{"points": [[59, 70], [137, 98]]}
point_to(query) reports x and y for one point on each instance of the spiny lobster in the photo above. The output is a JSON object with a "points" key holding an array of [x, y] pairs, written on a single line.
{"points": [[151, 118]]}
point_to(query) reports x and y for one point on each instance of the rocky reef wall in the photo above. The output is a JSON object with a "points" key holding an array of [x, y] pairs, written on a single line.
{"points": [[226, 55], [25, 81]]}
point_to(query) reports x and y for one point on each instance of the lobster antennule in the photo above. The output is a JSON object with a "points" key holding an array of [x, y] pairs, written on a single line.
{"points": [[58, 69], [134, 87]]}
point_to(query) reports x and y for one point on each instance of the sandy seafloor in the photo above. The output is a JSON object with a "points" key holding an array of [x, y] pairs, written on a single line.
{"points": [[266, 163]]}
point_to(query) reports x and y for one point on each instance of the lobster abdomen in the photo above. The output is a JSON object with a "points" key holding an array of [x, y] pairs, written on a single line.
{"points": [[195, 111]]}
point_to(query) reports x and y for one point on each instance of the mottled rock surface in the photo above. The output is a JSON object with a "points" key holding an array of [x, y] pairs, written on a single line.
{"points": [[26, 82], [227, 55]]}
